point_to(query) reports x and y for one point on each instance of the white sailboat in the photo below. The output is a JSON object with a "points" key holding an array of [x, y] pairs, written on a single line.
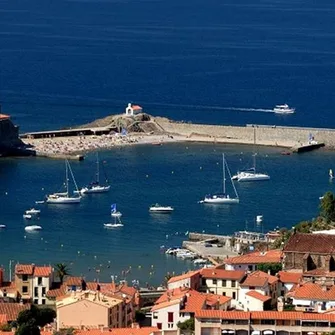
{"points": [[114, 212], [65, 197], [331, 175], [251, 174], [95, 187], [223, 198]]}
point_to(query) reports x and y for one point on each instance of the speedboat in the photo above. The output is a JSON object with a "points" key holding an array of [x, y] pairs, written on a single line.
{"points": [[32, 228], [33, 211], [283, 109], [157, 208], [27, 216], [113, 225], [200, 261]]}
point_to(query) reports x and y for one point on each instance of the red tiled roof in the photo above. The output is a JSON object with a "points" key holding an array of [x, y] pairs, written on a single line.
{"points": [[222, 274], [311, 243], [289, 277], [12, 309], [3, 319], [265, 315], [258, 278], [183, 276], [42, 271], [257, 257], [9, 287], [312, 291], [212, 299], [113, 331], [258, 296], [165, 304], [136, 107], [174, 294], [73, 281], [319, 273], [22, 269]]}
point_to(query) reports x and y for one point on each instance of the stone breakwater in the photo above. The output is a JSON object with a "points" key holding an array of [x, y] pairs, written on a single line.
{"points": [[286, 137]]}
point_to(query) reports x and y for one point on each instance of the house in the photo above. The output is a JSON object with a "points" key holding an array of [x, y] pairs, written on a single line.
{"points": [[33, 282], [214, 322], [258, 291], [222, 282], [190, 279], [133, 109], [179, 305], [287, 280], [90, 309], [312, 297], [11, 310], [313, 255], [250, 261]]}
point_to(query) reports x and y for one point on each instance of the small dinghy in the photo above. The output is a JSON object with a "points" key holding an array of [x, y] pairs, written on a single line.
{"points": [[113, 225], [27, 216], [2, 226], [33, 211]]}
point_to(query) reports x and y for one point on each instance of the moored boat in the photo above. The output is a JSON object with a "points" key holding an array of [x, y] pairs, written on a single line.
{"points": [[33, 228], [157, 208], [33, 211], [283, 109]]}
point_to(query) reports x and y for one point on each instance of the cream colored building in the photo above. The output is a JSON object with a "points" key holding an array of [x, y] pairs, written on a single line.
{"points": [[90, 309]]}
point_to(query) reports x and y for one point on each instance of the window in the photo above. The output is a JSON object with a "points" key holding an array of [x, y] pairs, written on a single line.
{"points": [[250, 267], [159, 325], [234, 295], [35, 301], [43, 301], [233, 283], [170, 317], [203, 281], [224, 282], [214, 281], [36, 292], [155, 316], [24, 277], [24, 289], [39, 280], [43, 291], [224, 294]]}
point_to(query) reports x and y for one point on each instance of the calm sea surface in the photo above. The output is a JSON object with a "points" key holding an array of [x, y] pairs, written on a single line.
{"points": [[225, 62]]}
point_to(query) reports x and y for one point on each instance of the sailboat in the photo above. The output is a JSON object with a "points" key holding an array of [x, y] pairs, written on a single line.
{"points": [[223, 198], [251, 174], [95, 187], [331, 176], [65, 197]]}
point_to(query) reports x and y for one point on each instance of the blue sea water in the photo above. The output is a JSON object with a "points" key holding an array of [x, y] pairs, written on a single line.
{"points": [[68, 62]]}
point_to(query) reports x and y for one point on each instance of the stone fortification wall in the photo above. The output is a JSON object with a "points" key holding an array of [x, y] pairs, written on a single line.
{"points": [[265, 135], [8, 132]]}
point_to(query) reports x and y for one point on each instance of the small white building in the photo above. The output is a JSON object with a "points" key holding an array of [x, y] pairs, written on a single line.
{"points": [[133, 109], [287, 280]]}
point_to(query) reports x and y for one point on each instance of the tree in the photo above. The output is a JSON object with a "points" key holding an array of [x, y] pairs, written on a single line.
{"points": [[41, 317], [45, 316], [187, 325], [327, 207], [29, 328], [274, 268], [27, 315], [62, 270]]}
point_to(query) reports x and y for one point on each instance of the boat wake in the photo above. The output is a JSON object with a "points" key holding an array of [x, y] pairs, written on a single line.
{"points": [[238, 109]]}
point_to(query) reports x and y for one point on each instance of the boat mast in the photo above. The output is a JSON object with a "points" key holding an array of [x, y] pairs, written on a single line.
{"points": [[254, 149], [67, 178], [224, 175], [229, 174], [98, 177]]}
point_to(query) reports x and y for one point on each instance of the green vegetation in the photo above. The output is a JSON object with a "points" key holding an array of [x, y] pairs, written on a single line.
{"points": [[62, 270], [274, 268], [325, 220], [6, 327], [139, 316], [30, 320], [187, 325]]}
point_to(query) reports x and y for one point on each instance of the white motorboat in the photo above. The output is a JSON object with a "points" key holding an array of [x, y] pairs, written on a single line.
{"points": [[33, 211], [27, 216], [114, 212], [113, 225], [223, 198], [38, 202], [33, 228], [2, 226], [157, 208], [95, 187], [65, 197], [200, 261], [283, 109], [251, 174]]}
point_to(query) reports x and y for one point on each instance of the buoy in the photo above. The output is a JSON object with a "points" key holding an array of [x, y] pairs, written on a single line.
{"points": [[147, 176], [95, 256], [61, 245], [172, 172], [152, 266], [200, 167], [167, 236], [6, 193], [78, 252], [186, 147], [140, 267]]}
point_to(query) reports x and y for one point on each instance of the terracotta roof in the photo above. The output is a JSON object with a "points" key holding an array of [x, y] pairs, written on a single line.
{"points": [[136, 107], [183, 276], [114, 331], [259, 279], [212, 299], [22, 269], [257, 257], [3, 319], [311, 243], [73, 281], [319, 273], [12, 309], [258, 296], [9, 287], [265, 315], [42, 271], [165, 304], [312, 291], [289, 277], [222, 274], [176, 293]]}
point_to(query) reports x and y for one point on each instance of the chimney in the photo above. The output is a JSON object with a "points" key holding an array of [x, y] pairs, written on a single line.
{"points": [[83, 285]]}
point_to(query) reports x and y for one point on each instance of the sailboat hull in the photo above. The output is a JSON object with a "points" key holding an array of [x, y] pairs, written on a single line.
{"points": [[221, 200], [62, 200], [95, 189], [245, 177]]}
